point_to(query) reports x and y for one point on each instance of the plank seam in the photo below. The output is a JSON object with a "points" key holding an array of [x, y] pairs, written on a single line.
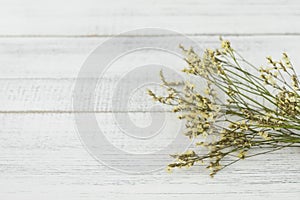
{"points": [[158, 35], [73, 112]]}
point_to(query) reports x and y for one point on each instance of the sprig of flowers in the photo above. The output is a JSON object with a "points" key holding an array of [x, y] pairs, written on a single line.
{"points": [[244, 110]]}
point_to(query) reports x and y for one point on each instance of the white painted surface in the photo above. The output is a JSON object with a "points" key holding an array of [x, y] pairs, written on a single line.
{"points": [[42, 47], [94, 17]]}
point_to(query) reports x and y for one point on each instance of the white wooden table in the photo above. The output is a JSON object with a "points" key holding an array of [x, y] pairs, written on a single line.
{"points": [[43, 45]]}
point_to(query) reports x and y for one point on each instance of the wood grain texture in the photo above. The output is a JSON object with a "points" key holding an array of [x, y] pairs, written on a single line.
{"points": [[42, 157], [41, 153], [56, 58], [40, 74], [97, 18], [43, 45]]}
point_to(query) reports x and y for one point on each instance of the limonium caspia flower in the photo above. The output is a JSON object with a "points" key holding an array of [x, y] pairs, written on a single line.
{"points": [[242, 112]]}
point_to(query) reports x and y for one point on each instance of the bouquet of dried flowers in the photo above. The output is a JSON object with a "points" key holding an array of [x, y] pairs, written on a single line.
{"points": [[240, 114]]}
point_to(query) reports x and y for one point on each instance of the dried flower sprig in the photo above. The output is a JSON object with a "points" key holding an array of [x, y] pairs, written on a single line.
{"points": [[239, 110]]}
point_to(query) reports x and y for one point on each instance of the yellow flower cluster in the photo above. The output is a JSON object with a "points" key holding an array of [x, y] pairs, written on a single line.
{"points": [[231, 122]]}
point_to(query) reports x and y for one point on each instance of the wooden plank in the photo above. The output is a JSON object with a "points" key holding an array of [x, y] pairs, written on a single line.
{"points": [[40, 74], [42, 157], [56, 96], [63, 58], [98, 18]]}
